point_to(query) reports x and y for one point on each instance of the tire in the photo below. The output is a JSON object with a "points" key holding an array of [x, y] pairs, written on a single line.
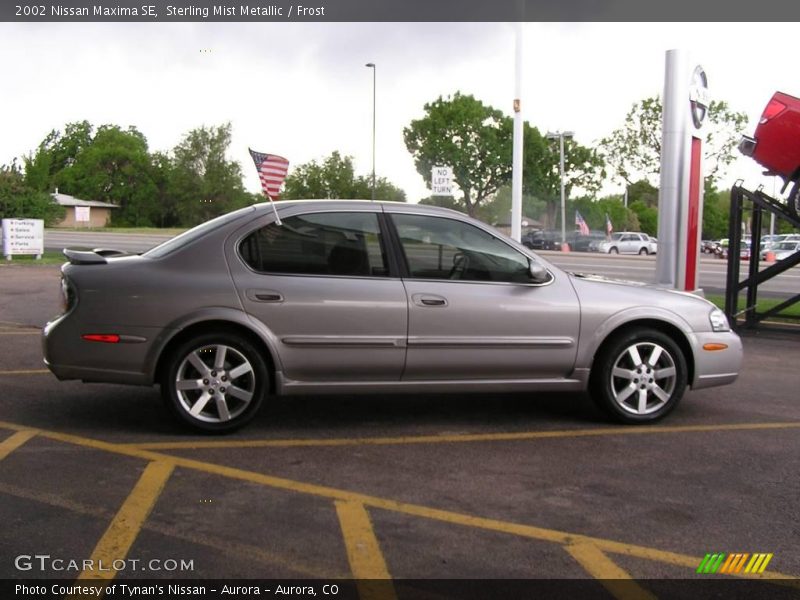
{"points": [[215, 382], [643, 252], [630, 389], [613, 250], [794, 199]]}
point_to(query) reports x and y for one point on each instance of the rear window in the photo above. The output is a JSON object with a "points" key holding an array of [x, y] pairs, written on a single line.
{"points": [[187, 237]]}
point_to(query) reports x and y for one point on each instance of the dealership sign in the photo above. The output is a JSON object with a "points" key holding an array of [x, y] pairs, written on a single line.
{"points": [[699, 98], [23, 236]]}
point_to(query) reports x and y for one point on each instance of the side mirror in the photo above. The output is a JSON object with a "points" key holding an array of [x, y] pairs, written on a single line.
{"points": [[537, 272]]}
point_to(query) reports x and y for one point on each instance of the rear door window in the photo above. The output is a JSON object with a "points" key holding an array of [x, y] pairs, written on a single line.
{"points": [[329, 243]]}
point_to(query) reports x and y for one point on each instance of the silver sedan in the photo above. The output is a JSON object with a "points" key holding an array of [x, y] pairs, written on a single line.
{"points": [[372, 297]]}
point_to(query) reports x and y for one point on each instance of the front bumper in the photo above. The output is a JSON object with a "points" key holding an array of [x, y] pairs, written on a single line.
{"points": [[716, 367]]}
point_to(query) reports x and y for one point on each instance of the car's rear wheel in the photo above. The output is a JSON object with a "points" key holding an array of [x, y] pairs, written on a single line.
{"points": [[215, 382], [640, 376]]}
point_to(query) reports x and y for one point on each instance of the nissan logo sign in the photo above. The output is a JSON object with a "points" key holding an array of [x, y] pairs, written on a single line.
{"points": [[699, 98]]}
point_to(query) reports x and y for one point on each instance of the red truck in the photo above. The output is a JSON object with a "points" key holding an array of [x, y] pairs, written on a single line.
{"points": [[776, 143]]}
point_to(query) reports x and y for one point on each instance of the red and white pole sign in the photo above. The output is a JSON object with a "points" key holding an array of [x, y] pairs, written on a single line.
{"points": [[680, 205]]}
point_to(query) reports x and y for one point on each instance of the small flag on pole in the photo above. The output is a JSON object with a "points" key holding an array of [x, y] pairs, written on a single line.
{"points": [[582, 226], [609, 226], [272, 171]]}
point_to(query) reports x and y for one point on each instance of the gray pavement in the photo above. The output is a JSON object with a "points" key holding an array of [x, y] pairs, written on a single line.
{"points": [[498, 486]]}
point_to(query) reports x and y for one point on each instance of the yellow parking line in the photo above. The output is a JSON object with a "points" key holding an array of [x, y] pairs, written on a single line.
{"points": [[364, 552], [459, 438], [241, 551], [616, 580], [15, 441], [446, 516], [25, 372], [125, 527]]}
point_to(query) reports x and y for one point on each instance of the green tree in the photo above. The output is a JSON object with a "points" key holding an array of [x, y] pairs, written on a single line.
{"points": [[472, 138], [647, 215], [583, 168], [55, 153], [716, 214], [20, 201], [202, 182], [498, 209], [643, 191], [335, 178], [111, 165], [643, 200], [594, 212], [634, 150], [114, 167], [476, 141]]}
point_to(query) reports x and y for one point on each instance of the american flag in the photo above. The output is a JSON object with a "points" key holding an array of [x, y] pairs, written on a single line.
{"points": [[272, 171], [582, 226], [609, 226]]}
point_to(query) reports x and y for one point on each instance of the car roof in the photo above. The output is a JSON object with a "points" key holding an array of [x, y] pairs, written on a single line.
{"points": [[345, 204]]}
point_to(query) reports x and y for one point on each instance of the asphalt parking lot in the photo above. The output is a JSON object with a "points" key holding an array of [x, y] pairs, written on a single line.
{"points": [[500, 487]]}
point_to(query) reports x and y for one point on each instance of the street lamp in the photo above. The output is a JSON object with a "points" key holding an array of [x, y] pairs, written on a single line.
{"points": [[372, 66], [560, 135]]}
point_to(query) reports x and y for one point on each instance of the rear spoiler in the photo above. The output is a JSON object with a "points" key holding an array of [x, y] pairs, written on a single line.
{"points": [[91, 257]]}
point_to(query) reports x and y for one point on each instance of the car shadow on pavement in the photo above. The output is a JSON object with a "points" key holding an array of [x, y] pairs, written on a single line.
{"points": [[121, 412]]}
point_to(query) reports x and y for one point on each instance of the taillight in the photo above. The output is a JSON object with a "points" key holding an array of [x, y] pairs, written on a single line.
{"points": [[774, 108], [105, 338]]}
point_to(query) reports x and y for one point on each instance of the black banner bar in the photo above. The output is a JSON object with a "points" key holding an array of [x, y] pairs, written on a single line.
{"points": [[163, 11], [726, 587]]}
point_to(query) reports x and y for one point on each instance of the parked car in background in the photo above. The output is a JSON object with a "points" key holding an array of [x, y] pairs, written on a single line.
{"points": [[583, 243], [542, 239], [781, 250], [775, 144], [709, 246], [373, 297], [626, 242], [744, 249]]}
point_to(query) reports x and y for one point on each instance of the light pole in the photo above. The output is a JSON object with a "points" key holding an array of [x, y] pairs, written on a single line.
{"points": [[374, 69], [560, 135]]}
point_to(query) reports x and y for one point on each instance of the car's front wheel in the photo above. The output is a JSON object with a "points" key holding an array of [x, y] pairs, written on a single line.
{"points": [[613, 250], [643, 252], [640, 376], [215, 382]]}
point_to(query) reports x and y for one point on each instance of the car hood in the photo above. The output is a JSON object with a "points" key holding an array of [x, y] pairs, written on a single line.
{"points": [[604, 295]]}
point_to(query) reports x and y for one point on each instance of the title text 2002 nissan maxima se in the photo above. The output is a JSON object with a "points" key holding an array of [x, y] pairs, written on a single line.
{"points": [[352, 296]]}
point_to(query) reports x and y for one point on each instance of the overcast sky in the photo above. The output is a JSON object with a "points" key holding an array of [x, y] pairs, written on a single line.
{"points": [[302, 90]]}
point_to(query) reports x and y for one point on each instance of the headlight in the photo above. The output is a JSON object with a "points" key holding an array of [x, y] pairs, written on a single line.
{"points": [[719, 322]]}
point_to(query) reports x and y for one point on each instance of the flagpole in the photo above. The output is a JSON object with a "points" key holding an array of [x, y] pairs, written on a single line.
{"points": [[275, 210]]}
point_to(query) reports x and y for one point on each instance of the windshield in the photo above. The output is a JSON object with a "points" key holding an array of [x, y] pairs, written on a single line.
{"points": [[188, 237]]}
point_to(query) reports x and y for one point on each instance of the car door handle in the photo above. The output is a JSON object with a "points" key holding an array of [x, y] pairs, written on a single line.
{"points": [[264, 296], [429, 300]]}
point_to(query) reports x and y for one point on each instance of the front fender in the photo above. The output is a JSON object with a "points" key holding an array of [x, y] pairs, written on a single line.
{"points": [[595, 329]]}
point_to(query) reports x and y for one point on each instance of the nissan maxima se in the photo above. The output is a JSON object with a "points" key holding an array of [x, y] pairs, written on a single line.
{"points": [[372, 297]]}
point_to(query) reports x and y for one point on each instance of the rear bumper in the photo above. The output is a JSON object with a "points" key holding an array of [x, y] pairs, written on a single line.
{"points": [[70, 357]]}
